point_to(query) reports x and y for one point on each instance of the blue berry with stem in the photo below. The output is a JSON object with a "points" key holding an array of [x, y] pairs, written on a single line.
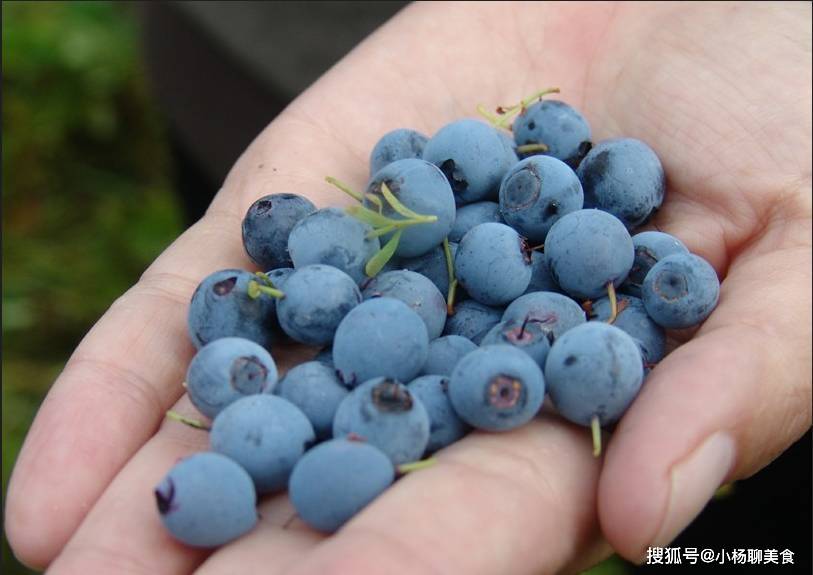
{"points": [[497, 388], [317, 391], [493, 264], [631, 316], [623, 176], [229, 303], [206, 500], [266, 435], [380, 337], [317, 297], [415, 290], [554, 312], [331, 237], [386, 414], [445, 427], [473, 156], [680, 291], [399, 144], [593, 373], [337, 479], [587, 250], [560, 127], [650, 247], [536, 193], [445, 352], [226, 370], [267, 225], [529, 335], [423, 190]]}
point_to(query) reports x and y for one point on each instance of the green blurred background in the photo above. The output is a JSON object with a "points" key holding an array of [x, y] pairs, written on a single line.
{"points": [[87, 197]]}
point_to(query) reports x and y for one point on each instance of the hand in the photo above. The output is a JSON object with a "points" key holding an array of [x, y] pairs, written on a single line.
{"points": [[720, 91]]}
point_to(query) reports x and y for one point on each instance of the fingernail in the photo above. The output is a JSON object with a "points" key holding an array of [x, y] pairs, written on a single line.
{"points": [[693, 482]]}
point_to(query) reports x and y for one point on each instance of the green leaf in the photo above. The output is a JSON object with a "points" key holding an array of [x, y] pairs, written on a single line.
{"points": [[370, 217], [379, 260], [397, 205]]}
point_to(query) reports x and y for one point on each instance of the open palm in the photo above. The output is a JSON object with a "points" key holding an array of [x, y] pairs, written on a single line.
{"points": [[720, 91]]}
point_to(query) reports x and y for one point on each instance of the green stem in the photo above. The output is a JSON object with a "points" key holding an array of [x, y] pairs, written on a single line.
{"points": [[595, 426], [613, 302], [416, 465], [345, 188], [197, 424], [447, 252], [528, 148], [255, 290]]}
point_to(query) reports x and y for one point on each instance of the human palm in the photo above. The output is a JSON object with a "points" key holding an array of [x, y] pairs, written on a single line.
{"points": [[720, 91]]}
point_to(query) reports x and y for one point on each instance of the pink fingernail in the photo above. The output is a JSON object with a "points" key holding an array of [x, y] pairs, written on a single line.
{"points": [[693, 482]]}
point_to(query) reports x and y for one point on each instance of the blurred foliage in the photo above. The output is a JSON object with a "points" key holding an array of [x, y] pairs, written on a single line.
{"points": [[87, 202]]}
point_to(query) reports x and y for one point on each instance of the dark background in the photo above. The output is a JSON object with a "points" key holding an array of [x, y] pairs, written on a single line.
{"points": [[120, 122]]}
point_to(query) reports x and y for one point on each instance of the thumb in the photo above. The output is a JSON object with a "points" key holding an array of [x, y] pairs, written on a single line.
{"points": [[719, 408]]}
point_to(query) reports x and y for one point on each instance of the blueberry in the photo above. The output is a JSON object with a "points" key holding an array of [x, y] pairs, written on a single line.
{"points": [[586, 250], [553, 312], [226, 370], [432, 265], [445, 427], [206, 500], [317, 297], [473, 156], [680, 291], [557, 125], [266, 435], [337, 479], [421, 187], [537, 192], [221, 307], [529, 335], [445, 352], [493, 264], [315, 389], [384, 413], [623, 176], [331, 237], [541, 280], [279, 276], [380, 337], [472, 215], [497, 388], [649, 248], [325, 356], [415, 290], [593, 370], [266, 227], [472, 320], [633, 319], [398, 144]]}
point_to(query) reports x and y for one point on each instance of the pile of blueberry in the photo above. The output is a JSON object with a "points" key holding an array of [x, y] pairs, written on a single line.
{"points": [[475, 273]]}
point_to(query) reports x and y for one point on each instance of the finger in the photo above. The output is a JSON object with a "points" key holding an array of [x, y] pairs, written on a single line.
{"points": [[123, 531], [279, 540], [718, 408], [516, 502]]}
